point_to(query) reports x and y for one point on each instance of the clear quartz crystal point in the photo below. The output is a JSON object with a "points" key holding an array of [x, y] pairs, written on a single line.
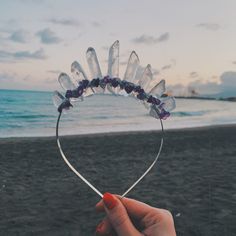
{"points": [[57, 98], [66, 82], [78, 72], [146, 78], [169, 104], [158, 89], [132, 67], [79, 75], [153, 112], [94, 67], [113, 65], [113, 60], [138, 75], [145, 82]]}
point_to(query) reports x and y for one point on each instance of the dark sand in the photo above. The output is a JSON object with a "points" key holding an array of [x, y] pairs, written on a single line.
{"points": [[195, 179]]}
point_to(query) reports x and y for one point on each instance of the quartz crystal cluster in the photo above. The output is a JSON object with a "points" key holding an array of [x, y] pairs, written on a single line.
{"points": [[141, 86]]}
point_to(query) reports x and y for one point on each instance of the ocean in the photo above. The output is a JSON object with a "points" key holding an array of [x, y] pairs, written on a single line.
{"points": [[32, 113]]}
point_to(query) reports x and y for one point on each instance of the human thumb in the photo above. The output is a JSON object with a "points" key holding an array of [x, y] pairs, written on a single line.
{"points": [[118, 216]]}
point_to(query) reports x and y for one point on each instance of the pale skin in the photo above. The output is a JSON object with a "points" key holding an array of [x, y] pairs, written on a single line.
{"points": [[149, 221]]}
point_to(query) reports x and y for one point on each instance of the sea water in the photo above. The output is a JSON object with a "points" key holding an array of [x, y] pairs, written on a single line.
{"points": [[32, 113]]}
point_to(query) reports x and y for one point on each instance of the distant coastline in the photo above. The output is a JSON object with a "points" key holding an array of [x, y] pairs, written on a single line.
{"points": [[230, 99]]}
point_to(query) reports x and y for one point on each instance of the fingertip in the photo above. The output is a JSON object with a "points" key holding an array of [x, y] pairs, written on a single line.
{"points": [[109, 200], [104, 228]]}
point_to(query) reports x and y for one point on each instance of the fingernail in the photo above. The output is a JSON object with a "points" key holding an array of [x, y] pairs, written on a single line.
{"points": [[109, 200], [99, 228]]}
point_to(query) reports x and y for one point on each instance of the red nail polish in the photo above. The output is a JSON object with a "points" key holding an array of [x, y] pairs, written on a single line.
{"points": [[99, 228], [109, 200]]}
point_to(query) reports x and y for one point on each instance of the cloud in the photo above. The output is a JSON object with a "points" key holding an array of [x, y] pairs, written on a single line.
{"points": [[47, 36], [32, 1], [6, 56], [19, 36], [193, 74], [149, 40], [7, 77], [163, 37], [170, 65], [54, 71], [96, 24], [225, 88], [12, 80], [205, 88], [51, 80], [155, 72], [166, 67], [228, 81], [10, 77], [209, 26], [65, 22]]}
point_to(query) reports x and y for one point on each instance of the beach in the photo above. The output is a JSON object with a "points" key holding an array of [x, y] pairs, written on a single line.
{"points": [[194, 179]]}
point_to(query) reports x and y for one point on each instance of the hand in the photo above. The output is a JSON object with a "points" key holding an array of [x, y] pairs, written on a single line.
{"points": [[128, 217]]}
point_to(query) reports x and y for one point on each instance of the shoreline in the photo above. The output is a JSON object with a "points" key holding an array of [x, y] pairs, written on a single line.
{"points": [[113, 133]]}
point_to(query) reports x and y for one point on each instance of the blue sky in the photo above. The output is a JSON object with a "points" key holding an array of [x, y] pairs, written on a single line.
{"points": [[188, 43]]}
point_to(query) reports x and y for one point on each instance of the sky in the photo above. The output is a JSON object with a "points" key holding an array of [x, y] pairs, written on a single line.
{"points": [[189, 43]]}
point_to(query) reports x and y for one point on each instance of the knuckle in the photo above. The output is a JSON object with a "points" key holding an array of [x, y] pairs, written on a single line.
{"points": [[151, 218], [120, 219], [156, 216], [167, 215]]}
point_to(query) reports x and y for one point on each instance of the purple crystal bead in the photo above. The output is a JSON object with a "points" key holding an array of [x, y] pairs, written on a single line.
{"points": [[129, 88], [75, 93], [84, 83], [80, 90], [94, 82], [114, 82], [137, 89], [153, 100], [102, 83], [65, 105], [106, 79], [164, 114], [122, 84], [68, 94], [141, 96]]}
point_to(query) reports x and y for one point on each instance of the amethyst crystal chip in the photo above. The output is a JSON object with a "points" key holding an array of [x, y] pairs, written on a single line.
{"points": [[141, 95], [164, 114], [114, 82], [122, 84], [94, 82], [106, 79], [84, 83], [80, 90], [129, 87], [153, 100], [65, 105], [68, 94], [137, 89], [102, 83]]}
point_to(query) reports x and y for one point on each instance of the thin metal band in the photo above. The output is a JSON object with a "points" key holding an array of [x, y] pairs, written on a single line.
{"points": [[91, 185]]}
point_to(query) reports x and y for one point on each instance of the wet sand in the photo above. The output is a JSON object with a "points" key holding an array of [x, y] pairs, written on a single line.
{"points": [[195, 179]]}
